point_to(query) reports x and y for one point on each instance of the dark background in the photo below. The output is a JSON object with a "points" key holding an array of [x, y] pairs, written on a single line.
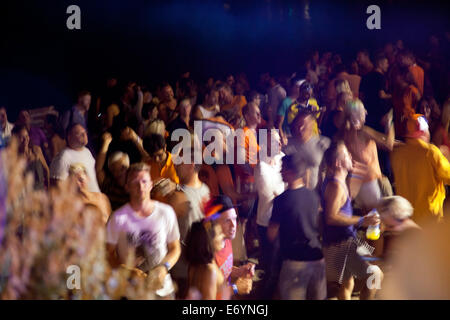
{"points": [[43, 63]]}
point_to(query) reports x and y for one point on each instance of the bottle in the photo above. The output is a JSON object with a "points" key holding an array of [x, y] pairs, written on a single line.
{"points": [[373, 232]]}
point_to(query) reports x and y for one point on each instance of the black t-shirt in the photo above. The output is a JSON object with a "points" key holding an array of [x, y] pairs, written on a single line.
{"points": [[297, 213], [371, 85]]}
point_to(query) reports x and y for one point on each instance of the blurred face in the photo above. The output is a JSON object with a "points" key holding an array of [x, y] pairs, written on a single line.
{"points": [[254, 116], [384, 65], [24, 139], [139, 185], [185, 108], [286, 173], [119, 169], [78, 137], [225, 96], [227, 221], [147, 97], [361, 58], [230, 80], [219, 236], [85, 101], [425, 109], [358, 118], [160, 156], [213, 98], [167, 93], [305, 127], [81, 179], [257, 100], [3, 117], [24, 117]]}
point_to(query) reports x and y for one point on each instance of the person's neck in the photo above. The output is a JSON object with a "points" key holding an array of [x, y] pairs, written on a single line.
{"points": [[252, 126], [142, 206], [296, 184], [339, 174], [193, 181], [78, 148], [378, 70], [185, 119]]}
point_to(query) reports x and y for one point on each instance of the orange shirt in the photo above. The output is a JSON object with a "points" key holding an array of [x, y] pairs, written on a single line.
{"points": [[237, 100], [418, 75], [168, 171]]}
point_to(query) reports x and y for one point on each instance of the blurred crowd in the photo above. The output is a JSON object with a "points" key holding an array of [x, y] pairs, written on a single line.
{"points": [[352, 145]]}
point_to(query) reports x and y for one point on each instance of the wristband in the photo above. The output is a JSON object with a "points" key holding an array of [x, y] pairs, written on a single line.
{"points": [[360, 221], [167, 265], [235, 288]]}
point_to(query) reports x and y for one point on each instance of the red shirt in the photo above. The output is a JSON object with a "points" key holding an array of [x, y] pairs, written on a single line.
{"points": [[224, 259]]}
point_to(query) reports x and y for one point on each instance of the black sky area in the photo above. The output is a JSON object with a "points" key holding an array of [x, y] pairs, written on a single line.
{"points": [[43, 63]]}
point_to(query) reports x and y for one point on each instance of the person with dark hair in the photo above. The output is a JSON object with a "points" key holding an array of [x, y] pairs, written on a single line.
{"points": [[37, 136], [281, 124], [168, 104], [295, 218], [161, 164], [203, 242], [79, 112], [75, 152], [373, 91], [55, 135], [364, 63], [183, 120], [340, 242], [36, 163], [210, 106]]}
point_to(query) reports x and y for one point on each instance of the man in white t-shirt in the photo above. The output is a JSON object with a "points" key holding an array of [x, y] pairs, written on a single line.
{"points": [[147, 227], [75, 152]]}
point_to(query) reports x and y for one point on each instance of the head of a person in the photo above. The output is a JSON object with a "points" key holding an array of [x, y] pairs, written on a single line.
{"points": [[417, 128], [185, 108], [78, 174], [230, 80], [118, 164], [3, 117], [186, 168], [306, 91], [111, 82], [203, 241], [76, 136], [342, 85], [294, 90], [424, 108], [22, 134], [363, 57], [155, 145], [252, 114], [405, 58], [24, 118], [139, 182], [337, 157], [394, 210], [355, 114], [146, 96], [84, 99], [382, 63], [150, 111], [225, 94], [239, 88], [342, 99], [293, 167], [212, 97], [302, 127], [167, 92], [255, 97], [220, 210]]}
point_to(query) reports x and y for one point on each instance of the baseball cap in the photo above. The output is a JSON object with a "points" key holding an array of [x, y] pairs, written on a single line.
{"points": [[216, 205]]}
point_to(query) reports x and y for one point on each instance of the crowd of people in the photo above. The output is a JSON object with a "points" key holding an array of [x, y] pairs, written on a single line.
{"points": [[352, 145]]}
